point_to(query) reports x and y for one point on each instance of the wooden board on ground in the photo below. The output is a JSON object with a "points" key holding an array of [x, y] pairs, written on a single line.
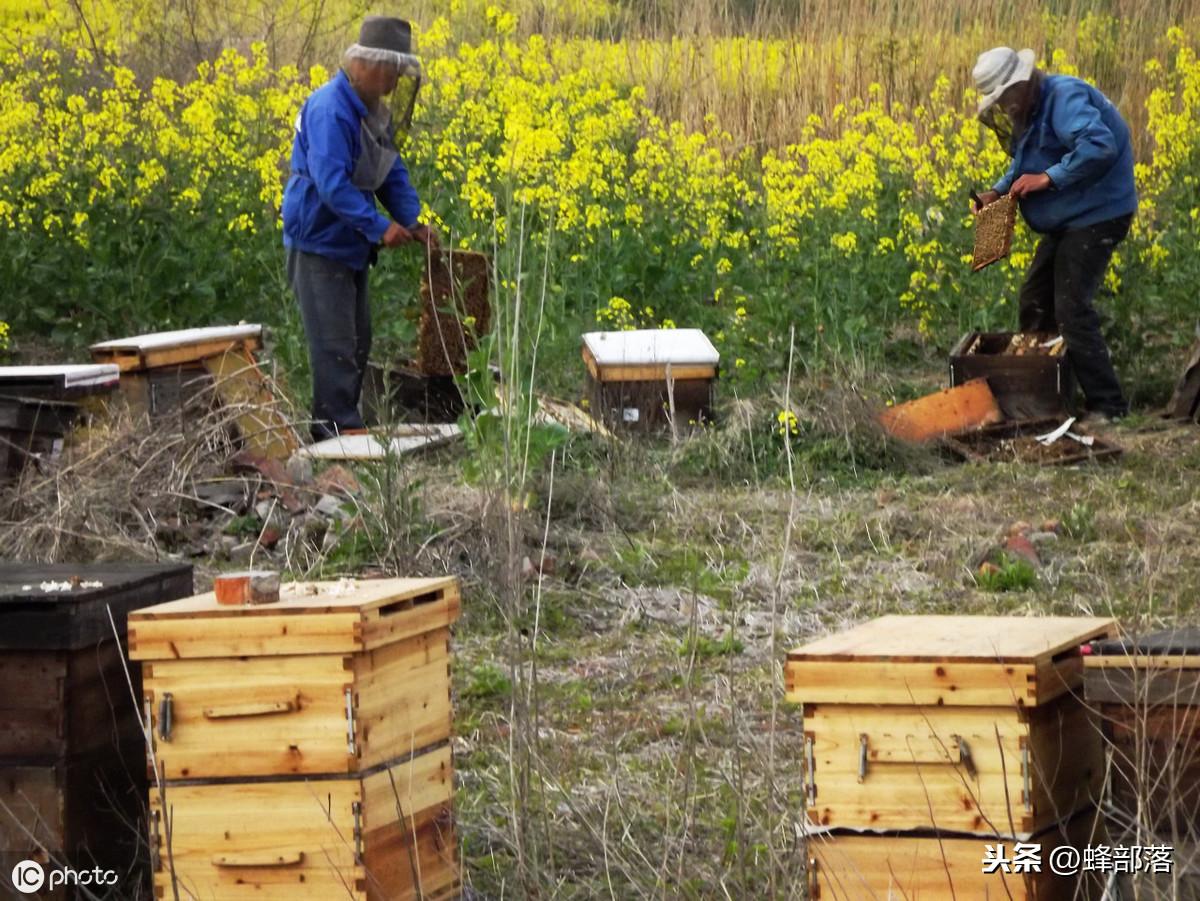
{"points": [[310, 618], [386, 835], [176, 347], [1017, 442], [395, 441], [947, 412], [241, 387]]}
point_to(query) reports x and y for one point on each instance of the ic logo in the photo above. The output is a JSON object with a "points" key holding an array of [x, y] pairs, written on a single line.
{"points": [[28, 876]]}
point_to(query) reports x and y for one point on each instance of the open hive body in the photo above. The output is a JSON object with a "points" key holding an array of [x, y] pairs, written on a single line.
{"points": [[1029, 375], [651, 378], [304, 745], [957, 726], [72, 784], [177, 376]]}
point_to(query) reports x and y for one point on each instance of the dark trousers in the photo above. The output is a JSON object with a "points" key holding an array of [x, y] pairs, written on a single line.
{"points": [[337, 322], [1058, 296]]}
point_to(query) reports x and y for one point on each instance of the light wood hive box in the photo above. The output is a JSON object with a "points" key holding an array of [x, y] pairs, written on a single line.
{"points": [[970, 724], [303, 746], [946, 868]]}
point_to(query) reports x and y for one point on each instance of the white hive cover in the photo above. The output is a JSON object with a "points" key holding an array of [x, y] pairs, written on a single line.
{"points": [[652, 347], [69, 375], [183, 338]]}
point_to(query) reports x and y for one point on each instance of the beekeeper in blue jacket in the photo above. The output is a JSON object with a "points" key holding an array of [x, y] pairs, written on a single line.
{"points": [[344, 159], [1072, 172]]}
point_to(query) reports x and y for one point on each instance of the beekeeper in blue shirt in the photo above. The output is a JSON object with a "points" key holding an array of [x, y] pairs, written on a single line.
{"points": [[344, 159], [1072, 172]]}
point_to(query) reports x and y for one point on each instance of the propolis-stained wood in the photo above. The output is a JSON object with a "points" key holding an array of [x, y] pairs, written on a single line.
{"points": [[381, 835]]}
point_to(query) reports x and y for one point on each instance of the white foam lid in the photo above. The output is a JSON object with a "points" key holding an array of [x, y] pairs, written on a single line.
{"points": [[181, 338], [652, 347], [73, 375]]}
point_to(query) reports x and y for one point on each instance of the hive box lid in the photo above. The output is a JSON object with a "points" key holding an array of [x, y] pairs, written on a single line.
{"points": [[181, 338], [72, 377], [64, 606], [310, 618], [955, 660], [174, 348], [646, 354]]}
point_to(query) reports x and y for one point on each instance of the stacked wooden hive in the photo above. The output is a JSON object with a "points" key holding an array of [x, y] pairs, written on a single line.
{"points": [[1146, 691], [928, 738], [302, 747], [72, 787]]}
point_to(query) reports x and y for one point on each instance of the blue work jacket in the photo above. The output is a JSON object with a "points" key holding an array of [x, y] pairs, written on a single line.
{"points": [[323, 212], [1078, 138]]}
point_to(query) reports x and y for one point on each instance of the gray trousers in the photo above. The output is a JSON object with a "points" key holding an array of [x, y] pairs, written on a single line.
{"points": [[337, 323]]}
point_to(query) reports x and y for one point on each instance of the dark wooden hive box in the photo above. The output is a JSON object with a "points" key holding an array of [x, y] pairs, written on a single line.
{"points": [[1031, 386], [72, 757]]}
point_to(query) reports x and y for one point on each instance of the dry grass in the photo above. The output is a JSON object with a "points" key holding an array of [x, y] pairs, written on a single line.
{"points": [[620, 730]]}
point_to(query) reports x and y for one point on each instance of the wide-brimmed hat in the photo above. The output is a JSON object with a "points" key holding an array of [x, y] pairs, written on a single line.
{"points": [[999, 68], [382, 39]]}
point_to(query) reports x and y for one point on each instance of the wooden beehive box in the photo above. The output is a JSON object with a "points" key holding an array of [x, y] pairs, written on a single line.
{"points": [[1147, 693], [646, 379], [333, 706], [1027, 385], [962, 723], [384, 834], [181, 374], [854, 866], [72, 779]]}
